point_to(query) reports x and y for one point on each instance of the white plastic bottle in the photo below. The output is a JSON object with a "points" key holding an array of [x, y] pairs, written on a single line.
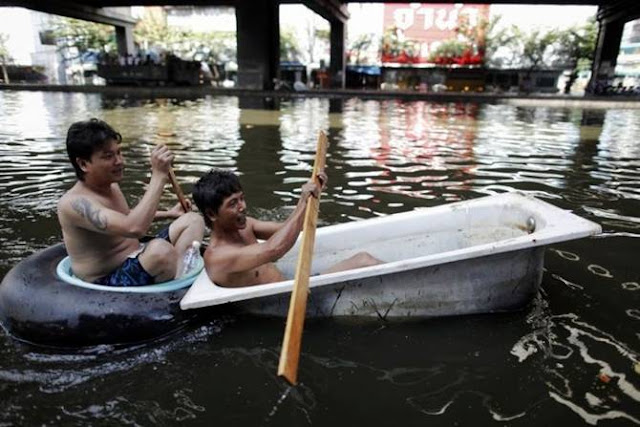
{"points": [[191, 259]]}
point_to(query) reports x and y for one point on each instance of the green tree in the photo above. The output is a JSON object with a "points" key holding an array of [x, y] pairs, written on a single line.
{"points": [[394, 46], [199, 46], [216, 46], [473, 44], [495, 38], [576, 47], [152, 32], [448, 51], [4, 56], [289, 47], [323, 39], [532, 50], [538, 48], [359, 46], [573, 47], [75, 37]]}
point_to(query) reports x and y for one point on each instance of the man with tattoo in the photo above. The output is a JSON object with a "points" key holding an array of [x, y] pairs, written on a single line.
{"points": [[99, 229], [234, 256]]}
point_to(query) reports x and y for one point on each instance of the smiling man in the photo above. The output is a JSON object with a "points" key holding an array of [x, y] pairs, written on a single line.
{"points": [[99, 229], [235, 257]]}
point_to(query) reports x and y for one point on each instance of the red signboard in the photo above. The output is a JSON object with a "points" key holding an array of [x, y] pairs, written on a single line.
{"points": [[414, 31]]}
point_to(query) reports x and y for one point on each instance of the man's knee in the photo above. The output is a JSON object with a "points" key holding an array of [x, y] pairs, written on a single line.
{"points": [[190, 220], [365, 259], [160, 253], [194, 220], [359, 260]]}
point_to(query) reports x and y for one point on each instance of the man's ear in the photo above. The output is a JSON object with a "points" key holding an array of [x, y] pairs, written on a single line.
{"points": [[82, 163], [210, 214]]}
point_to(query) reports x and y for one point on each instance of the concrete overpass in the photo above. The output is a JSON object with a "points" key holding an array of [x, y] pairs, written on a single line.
{"points": [[258, 31]]}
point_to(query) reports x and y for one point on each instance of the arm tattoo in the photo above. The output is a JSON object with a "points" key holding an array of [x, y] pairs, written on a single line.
{"points": [[92, 214]]}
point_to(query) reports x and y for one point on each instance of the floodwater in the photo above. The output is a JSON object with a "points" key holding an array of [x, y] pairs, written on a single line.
{"points": [[569, 358]]}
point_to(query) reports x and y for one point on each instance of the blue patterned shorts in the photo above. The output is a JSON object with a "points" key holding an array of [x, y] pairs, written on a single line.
{"points": [[131, 272]]}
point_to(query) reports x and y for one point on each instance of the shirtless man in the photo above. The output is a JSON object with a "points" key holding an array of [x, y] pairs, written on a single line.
{"points": [[99, 229], [234, 256]]}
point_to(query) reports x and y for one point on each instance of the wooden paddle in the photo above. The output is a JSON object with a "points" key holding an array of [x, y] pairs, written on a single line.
{"points": [[290, 355], [174, 182], [178, 190]]}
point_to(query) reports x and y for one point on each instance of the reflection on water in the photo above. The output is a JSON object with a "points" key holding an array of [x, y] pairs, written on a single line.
{"points": [[572, 356], [569, 346]]}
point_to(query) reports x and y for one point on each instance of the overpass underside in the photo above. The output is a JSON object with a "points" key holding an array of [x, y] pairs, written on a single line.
{"points": [[258, 29]]}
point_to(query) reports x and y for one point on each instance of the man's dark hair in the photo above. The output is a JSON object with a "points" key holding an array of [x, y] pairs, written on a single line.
{"points": [[211, 190], [84, 138]]}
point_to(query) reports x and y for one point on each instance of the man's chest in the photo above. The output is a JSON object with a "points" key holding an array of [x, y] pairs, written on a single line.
{"points": [[114, 201], [248, 237]]}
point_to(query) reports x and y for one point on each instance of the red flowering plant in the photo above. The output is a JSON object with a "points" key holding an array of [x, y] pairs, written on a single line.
{"points": [[395, 48], [466, 48]]}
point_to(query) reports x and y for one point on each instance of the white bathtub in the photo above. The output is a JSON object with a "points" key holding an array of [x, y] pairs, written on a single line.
{"points": [[476, 256]]}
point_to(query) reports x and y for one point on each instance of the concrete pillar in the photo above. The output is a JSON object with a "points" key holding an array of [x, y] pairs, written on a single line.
{"points": [[338, 59], [258, 39], [124, 40], [607, 48]]}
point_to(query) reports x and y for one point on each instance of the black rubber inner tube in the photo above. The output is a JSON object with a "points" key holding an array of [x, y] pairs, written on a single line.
{"points": [[38, 307]]}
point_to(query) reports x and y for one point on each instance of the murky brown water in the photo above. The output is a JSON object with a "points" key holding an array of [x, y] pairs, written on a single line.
{"points": [[541, 366]]}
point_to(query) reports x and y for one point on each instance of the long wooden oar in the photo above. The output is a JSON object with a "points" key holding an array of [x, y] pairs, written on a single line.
{"points": [[290, 355]]}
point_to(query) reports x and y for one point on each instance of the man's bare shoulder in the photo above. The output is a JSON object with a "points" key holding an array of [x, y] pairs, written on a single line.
{"points": [[74, 193], [77, 204], [251, 221], [65, 204], [249, 230], [79, 191], [262, 230]]}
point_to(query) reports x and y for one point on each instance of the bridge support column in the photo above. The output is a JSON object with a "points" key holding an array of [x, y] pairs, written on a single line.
{"points": [[258, 38], [607, 48], [337, 61], [124, 40]]}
